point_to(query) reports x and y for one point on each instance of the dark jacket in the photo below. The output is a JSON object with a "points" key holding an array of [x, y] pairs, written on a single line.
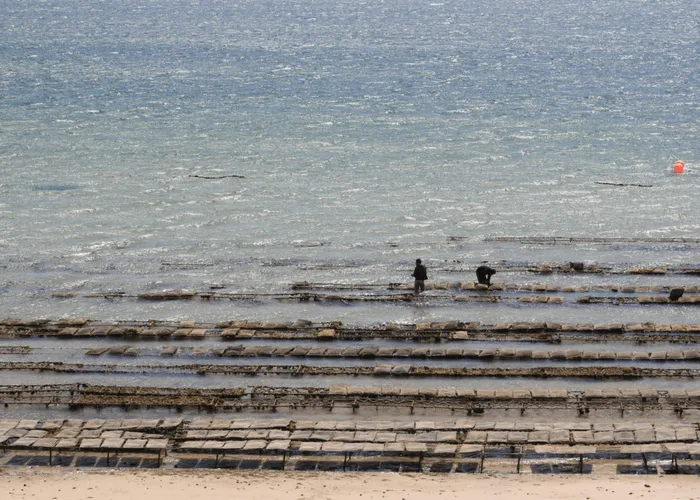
{"points": [[484, 273], [420, 272]]}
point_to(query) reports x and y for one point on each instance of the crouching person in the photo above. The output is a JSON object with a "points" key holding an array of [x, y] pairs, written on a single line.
{"points": [[483, 275]]}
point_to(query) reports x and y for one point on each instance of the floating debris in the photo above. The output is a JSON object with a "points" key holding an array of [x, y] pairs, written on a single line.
{"points": [[215, 177], [622, 184]]}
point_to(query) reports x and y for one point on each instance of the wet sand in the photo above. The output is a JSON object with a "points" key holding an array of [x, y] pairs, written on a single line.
{"points": [[42, 484]]}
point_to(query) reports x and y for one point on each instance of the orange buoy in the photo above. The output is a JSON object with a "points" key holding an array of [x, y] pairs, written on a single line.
{"points": [[679, 166]]}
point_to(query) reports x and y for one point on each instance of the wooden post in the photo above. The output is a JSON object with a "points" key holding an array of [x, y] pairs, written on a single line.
{"points": [[580, 462]]}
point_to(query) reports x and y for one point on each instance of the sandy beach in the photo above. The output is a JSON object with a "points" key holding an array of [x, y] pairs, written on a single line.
{"points": [[214, 485]]}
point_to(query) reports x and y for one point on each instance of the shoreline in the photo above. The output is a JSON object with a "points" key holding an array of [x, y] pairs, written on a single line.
{"points": [[111, 484]]}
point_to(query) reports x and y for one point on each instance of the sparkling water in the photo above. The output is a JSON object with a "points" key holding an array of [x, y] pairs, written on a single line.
{"points": [[367, 134]]}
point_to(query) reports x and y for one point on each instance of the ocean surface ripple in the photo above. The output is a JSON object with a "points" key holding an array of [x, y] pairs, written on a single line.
{"points": [[367, 134]]}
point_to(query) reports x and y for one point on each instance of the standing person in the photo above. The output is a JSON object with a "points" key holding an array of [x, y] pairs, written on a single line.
{"points": [[420, 273], [483, 275]]}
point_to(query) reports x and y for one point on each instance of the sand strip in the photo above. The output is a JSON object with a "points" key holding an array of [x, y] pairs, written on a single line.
{"points": [[41, 484]]}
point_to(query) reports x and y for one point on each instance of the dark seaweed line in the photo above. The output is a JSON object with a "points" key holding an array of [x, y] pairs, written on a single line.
{"points": [[592, 372]]}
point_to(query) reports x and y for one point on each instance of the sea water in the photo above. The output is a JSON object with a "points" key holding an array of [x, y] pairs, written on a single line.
{"points": [[366, 135]]}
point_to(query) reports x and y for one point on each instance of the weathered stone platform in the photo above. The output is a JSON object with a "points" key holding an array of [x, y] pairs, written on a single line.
{"points": [[409, 445], [436, 396], [340, 396], [85, 328]]}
